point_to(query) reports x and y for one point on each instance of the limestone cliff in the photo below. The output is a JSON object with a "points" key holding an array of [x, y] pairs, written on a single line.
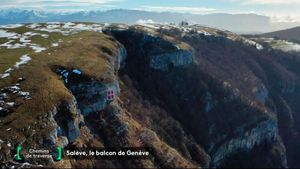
{"points": [[199, 97]]}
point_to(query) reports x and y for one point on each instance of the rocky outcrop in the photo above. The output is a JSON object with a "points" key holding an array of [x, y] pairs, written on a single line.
{"points": [[167, 61], [261, 94], [224, 118], [161, 54], [91, 94], [66, 120], [199, 100], [264, 132]]}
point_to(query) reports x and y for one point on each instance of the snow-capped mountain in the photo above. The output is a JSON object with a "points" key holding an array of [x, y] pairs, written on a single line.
{"points": [[248, 23]]}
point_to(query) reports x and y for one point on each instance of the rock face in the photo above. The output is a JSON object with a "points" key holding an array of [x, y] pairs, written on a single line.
{"points": [[261, 94], [199, 100], [166, 61], [225, 119], [67, 119], [91, 94], [264, 132], [161, 53]]}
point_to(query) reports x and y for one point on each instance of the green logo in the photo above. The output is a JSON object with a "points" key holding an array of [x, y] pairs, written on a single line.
{"points": [[59, 152], [19, 148]]}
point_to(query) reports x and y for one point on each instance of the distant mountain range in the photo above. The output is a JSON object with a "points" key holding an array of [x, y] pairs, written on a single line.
{"points": [[292, 34], [239, 23]]}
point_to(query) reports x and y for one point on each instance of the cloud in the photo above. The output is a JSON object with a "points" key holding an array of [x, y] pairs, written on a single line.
{"points": [[268, 2], [143, 21], [180, 9], [46, 4]]}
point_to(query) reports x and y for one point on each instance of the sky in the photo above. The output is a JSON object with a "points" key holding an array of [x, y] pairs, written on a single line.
{"points": [[278, 10]]}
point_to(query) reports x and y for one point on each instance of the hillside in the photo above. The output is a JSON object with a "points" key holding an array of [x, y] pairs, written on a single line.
{"points": [[199, 97]]}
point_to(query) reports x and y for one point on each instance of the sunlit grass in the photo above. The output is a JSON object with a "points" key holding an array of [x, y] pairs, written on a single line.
{"points": [[9, 57], [81, 51]]}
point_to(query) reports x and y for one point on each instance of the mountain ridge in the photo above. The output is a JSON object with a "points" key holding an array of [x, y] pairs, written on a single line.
{"points": [[199, 96], [218, 20]]}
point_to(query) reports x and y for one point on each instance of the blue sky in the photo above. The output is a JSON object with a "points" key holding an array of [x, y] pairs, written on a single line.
{"points": [[278, 9]]}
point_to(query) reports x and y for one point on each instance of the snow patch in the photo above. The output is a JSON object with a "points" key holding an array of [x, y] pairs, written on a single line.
{"points": [[21, 93], [37, 48], [24, 39], [5, 34], [11, 104], [10, 26], [24, 59], [142, 21], [203, 32], [70, 28], [54, 44], [68, 25], [33, 26], [253, 43], [287, 46], [6, 73]]}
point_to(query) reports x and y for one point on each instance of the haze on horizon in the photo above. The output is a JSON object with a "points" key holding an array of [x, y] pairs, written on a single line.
{"points": [[278, 10], [282, 14]]}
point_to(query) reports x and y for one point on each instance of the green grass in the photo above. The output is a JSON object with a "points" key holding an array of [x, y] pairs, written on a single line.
{"points": [[3, 40], [20, 30], [82, 50], [47, 42], [9, 57]]}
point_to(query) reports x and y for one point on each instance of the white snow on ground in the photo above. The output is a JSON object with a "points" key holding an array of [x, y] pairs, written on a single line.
{"points": [[54, 44], [9, 70], [11, 104], [24, 39], [283, 45], [286, 46], [9, 45], [84, 27], [15, 88], [21, 93], [253, 43], [203, 32], [9, 26], [5, 34], [68, 25], [33, 26], [142, 21], [44, 35], [148, 23], [31, 34], [24, 59], [290, 46], [37, 48], [6, 73], [70, 28]]}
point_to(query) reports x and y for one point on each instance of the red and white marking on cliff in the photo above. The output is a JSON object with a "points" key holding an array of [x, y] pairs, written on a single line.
{"points": [[110, 95]]}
